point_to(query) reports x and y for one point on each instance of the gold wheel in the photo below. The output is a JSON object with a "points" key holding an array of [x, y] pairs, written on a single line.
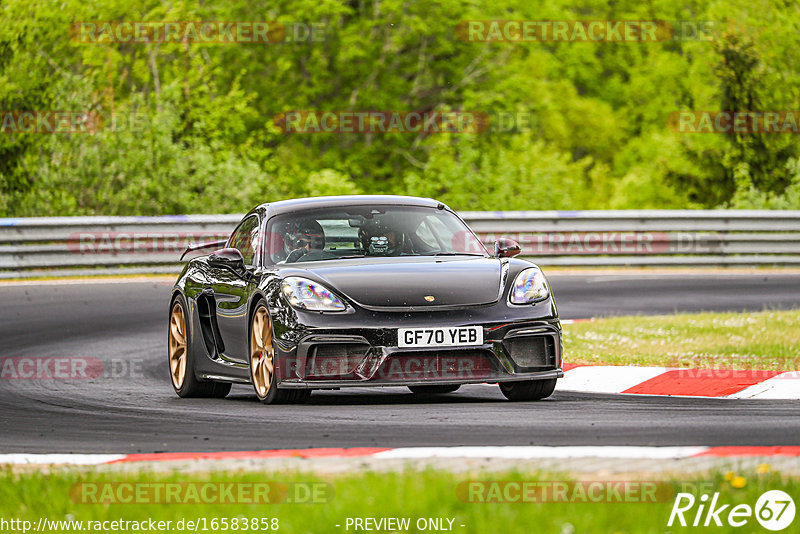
{"points": [[261, 352], [177, 345]]}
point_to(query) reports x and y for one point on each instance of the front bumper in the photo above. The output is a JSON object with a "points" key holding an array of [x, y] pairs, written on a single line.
{"points": [[332, 358], [336, 384]]}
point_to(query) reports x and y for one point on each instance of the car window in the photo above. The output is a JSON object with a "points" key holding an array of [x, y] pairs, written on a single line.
{"points": [[245, 239], [363, 231], [426, 236], [339, 235]]}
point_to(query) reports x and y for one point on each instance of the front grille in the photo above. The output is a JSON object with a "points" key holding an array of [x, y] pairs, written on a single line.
{"points": [[334, 360], [532, 351], [440, 365]]}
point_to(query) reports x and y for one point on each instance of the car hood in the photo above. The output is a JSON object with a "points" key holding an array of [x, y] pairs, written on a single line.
{"points": [[406, 282]]}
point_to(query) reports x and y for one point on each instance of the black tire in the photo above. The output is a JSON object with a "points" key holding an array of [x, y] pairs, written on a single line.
{"points": [[528, 390], [434, 389], [219, 390], [191, 386], [297, 396], [285, 396], [274, 395]]}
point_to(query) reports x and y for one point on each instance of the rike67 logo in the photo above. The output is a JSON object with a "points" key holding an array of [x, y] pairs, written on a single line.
{"points": [[774, 510]]}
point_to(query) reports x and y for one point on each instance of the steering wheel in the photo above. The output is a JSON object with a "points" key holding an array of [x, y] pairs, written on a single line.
{"points": [[295, 255]]}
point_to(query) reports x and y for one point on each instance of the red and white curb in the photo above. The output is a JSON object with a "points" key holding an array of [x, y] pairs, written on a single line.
{"points": [[719, 383], [411, 453]]}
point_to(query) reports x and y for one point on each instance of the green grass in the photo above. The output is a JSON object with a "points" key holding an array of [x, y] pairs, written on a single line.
{"points": [[408, 494], [768, 340]]}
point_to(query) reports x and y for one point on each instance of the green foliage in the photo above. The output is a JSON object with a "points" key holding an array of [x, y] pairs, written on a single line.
{"points": [[193, 127], [525, 174], [748, 196], [137, 167], [329, 182]]}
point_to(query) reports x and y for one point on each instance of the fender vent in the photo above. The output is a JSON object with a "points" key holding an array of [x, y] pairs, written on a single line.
{"points": [[208, 326]]}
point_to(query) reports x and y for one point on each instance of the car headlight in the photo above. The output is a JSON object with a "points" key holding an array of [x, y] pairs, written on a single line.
{"points": [[529, 286], [308, 295]]}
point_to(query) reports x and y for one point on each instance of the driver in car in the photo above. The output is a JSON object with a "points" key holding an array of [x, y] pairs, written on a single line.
{"points": [[303, 236]]}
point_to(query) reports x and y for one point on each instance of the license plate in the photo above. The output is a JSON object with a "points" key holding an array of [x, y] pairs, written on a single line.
{"points": [[440, 337]]}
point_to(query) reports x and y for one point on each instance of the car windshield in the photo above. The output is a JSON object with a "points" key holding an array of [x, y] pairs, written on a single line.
{"points": [[369, 231]]}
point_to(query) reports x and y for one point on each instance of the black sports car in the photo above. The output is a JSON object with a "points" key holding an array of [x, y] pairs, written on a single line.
{"points": [[329, 292]]}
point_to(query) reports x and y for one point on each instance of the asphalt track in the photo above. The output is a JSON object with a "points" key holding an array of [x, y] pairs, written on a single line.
{"points": [[135, 410]]}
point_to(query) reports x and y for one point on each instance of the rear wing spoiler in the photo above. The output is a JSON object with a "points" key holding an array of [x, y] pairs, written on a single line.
{"points": [[201, 246]]}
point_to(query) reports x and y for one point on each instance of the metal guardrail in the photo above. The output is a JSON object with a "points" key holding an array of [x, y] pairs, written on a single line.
{"points": [[648, 237], [94, 245]]}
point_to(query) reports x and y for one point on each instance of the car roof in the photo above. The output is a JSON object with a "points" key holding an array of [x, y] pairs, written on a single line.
{"points": [[287, 206]]}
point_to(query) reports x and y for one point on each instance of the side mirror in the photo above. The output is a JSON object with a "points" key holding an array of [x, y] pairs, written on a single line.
{"points": [[230, 258], [506, 248]]}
